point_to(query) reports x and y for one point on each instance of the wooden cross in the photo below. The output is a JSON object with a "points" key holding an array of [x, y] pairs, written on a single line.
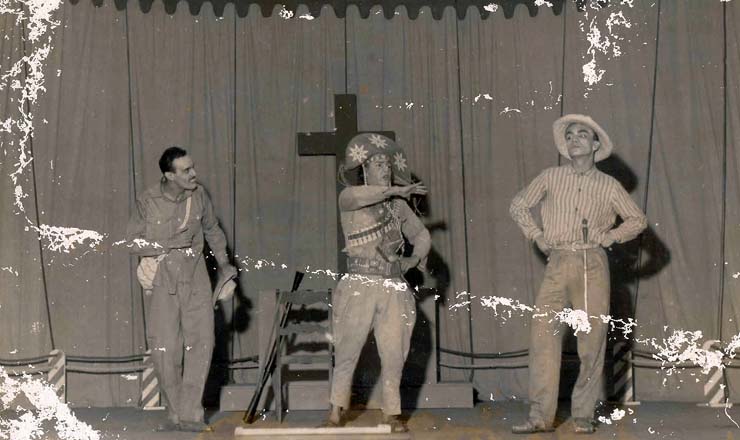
{"points": [[333, 144]]}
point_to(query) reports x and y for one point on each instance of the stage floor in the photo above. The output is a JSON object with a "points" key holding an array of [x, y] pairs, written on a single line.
{"points": [[651, 420]]}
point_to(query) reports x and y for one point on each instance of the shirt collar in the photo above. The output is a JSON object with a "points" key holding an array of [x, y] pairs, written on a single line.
{"points": [[588, 173], [159, 192]]}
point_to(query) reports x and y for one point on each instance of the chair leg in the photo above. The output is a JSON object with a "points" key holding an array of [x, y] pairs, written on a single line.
{"points": [[278, 378], [330, 316], [280, 397]]}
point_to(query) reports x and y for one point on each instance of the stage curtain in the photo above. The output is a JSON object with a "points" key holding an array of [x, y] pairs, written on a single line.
{"points": [[82, 149], [24, 321], [287, 74], [510, 97], [684, 201], [731, 281]]}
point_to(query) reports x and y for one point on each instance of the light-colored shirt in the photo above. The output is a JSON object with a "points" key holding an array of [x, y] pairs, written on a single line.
{"points": [[157, 218], [568, 198]]}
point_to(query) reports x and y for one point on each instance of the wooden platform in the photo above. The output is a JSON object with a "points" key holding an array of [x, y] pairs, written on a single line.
{"points": [[242, 431], [487, 421]]}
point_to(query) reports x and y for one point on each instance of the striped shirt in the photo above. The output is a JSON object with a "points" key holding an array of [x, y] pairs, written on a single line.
{"points": [[568, 198]]}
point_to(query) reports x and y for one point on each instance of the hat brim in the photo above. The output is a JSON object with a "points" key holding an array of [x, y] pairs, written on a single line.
{"points": [[223, 285], [227, 291], [558, 132]]}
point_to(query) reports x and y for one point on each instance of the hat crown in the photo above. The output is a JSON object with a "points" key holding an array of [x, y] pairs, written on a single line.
{"points": [[561, 125], [366, 145]]}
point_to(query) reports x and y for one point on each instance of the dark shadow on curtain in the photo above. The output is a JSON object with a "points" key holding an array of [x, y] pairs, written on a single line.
{"points": [[437, 269], [638, 259], [438, 283], [226, 323], [225, 327], [219, 373]]}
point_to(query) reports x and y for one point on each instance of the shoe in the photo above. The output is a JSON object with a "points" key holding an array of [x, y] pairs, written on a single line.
{"points": [[531, 427], [583, 426], [397, 425], [329, 423], [167, 426], [195, 427]]}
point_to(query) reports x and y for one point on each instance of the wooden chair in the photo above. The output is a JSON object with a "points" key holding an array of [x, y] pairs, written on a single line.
{"points": [[286, 328]]}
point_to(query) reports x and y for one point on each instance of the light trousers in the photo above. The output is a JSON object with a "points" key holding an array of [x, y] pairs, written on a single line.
{"points": [[371, 304], [563, 286]]}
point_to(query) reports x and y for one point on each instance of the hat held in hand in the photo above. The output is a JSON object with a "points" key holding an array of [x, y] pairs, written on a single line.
{"points": [[225, 286]]}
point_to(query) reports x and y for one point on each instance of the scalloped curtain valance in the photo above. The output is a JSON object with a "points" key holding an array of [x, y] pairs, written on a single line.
{"points": [[267, 7]]}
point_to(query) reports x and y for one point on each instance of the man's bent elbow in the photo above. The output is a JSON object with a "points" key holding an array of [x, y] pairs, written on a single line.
{"points": [[641, 223], [515, 209]]}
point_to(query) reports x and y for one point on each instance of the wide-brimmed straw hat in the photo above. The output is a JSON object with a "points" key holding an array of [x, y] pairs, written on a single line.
{"points": [[558, 132]]}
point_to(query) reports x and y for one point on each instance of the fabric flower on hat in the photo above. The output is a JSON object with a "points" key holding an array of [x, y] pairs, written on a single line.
{"points": [[358, 153], [366, 145], [378, 140], [401, 171], [399, 162]]}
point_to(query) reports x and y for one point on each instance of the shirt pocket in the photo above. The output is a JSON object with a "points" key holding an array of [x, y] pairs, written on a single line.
{"points": [[158, 226]]}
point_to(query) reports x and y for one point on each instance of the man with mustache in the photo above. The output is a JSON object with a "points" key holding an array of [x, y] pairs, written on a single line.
{"points": [[579, 208], [167, 229], [375, 217]]}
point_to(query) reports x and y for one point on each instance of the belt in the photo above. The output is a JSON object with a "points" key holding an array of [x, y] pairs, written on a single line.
{"points": [[372, 266], [576, 247]]}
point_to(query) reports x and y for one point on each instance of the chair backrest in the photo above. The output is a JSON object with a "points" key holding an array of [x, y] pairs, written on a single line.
{"points": [[305, 297]]}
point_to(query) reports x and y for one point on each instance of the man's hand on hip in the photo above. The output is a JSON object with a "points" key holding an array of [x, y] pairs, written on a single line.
{"points": [[408, 263], [542, 244], [607, 241]]}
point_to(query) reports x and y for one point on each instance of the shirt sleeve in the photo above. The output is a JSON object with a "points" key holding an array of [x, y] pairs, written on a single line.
{"points": [[634, 220], [136, 234], [414, 230], [524, 201], [212, 231]]}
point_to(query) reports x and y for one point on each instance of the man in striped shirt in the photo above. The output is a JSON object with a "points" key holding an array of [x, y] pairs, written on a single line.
{"points": [[579, 208]]}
